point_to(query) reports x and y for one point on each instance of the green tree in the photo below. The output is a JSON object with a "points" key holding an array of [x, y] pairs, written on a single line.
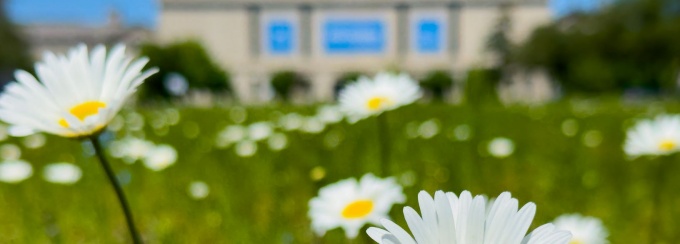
{"points": [[13, 49], [187, 58], [631, 44]]}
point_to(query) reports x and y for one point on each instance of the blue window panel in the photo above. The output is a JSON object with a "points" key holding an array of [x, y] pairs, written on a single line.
{"points": [[281, 38], [348, 36], [429, 38]]}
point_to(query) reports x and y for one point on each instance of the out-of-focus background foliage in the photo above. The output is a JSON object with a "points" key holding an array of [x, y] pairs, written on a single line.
{"points": [[609, 67]]}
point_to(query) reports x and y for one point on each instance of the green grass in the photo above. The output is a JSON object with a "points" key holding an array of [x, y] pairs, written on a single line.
{"points": [[263, 199]]}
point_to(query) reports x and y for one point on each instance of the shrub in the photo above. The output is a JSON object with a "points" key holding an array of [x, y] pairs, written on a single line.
{"points": [[285, 82], [436, 83]]}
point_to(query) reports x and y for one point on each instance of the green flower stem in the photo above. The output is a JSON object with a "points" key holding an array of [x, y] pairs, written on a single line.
{"points": [[136, 239], [659, 181], [384, 138]]}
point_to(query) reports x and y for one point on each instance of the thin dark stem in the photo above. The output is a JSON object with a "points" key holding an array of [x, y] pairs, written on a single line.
{"points": [[384, 138], [119, 191], [657, 214]]}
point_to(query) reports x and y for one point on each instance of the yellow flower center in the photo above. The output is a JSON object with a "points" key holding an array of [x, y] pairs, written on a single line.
{"points": [[377, 103], [358, 209], [84, 110], [667, 145], [576, 242]]}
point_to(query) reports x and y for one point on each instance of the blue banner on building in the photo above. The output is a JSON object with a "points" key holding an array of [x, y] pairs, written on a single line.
{"points": [[354, 36], [281, 37], [428, 36]]}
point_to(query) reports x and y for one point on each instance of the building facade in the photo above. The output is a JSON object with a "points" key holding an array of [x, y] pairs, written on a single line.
{"points": [[324, 39]]}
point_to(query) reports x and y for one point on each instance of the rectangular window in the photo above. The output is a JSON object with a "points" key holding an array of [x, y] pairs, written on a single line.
{"points": [[429, 36], [428, 33], [281, 39], [352, 36]]}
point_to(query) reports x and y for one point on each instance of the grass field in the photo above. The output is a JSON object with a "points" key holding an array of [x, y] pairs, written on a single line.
{"points": [[568, 159]]}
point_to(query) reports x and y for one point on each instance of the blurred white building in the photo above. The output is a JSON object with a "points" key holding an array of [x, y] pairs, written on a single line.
{"points": [[324, 39], [61, 37]]}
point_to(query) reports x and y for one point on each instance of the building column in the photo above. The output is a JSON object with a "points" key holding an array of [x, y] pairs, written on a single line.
{"points": [[241, 85], [323, 85], [454, 29], [402, 31], [254, 30]]}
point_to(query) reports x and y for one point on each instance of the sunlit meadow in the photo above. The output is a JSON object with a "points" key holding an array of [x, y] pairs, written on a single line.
{"points": [[566, 157]]}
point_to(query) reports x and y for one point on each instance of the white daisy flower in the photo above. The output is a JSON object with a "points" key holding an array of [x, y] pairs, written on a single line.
{"points": [[260, 131], [586, 230], [277, 142], [386, 91], [313, 125], [246, 148], [501, 147], [350, 204], [466, 219], [75, 95], [291, 121], [131, 149], [62, 173], [15, 171], [329, 114], [231, 134], [428, 129], [10, 152], [660, 136], [198, 190], [160, 157], [34, 141]]}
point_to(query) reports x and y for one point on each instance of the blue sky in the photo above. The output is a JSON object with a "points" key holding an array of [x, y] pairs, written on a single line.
{"points": [[86, 12], [145, 12]]}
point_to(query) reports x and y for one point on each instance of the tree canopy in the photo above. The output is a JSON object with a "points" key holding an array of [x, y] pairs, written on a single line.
{"points": [[631, 44], [13, 49]]}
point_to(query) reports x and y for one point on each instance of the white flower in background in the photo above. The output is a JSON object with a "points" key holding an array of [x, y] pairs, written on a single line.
{"points": [[586, 230], [291, 121], [10, 152], [34, 141], [134, 121], [15, 171], [329, 114], [198, 190], [351, 205], [75, 95], [259, 131], [468, 220], [592, 138], [428, 129], [501, 147], [231, 134], [117, 123], [660, 136], [238, 114], [277, 142], [367, 97], [313, 125], [462, 133], [160, 157], [62, 173], [570, 127], [131, 149], [246, 148]]}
